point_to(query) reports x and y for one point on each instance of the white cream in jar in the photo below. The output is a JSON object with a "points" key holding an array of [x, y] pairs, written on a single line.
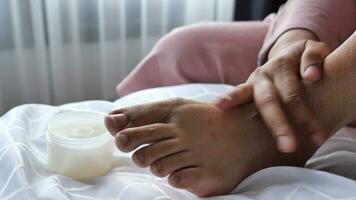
{"points": [[78, 144]]}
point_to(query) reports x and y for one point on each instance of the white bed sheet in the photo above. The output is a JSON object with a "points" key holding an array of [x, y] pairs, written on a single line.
{"points": [[24, 175]]}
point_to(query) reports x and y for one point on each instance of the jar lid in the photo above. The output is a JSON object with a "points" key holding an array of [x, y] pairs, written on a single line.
{"points": [[78, 129]]}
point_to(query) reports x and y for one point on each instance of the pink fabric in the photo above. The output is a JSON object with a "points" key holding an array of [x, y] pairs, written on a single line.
{"points": [[332, 21], [203, 53], [228, 52]]}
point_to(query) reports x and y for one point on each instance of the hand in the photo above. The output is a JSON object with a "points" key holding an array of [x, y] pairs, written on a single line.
{"points": [[276, 87]]}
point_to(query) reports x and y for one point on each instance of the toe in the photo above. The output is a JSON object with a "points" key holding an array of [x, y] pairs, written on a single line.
{"points": [[131, 138], [185, 178], [110, 125], [115, 123], [151, 113], [171, 163], [149, 154]]}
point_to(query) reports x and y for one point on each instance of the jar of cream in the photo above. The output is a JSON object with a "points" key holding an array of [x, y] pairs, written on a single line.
{"points": [[78, 144]]}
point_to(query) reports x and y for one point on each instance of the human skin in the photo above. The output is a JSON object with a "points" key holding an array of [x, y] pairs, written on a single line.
{"points": [[296, 56], [208, 151]]}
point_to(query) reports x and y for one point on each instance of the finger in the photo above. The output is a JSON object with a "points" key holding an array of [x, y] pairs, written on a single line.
{"points": [[269, 106], [241, 94], [312, 59], [312, 73], [290, 89]]}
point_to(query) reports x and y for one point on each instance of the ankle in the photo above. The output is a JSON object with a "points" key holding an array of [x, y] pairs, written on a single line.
{"points": [[333, 98]]}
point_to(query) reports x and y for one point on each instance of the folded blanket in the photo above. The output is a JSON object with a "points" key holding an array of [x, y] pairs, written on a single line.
{"points": [[24, 173]]}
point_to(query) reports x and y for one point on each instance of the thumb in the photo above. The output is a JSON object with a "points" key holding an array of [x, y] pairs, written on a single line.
{"points": [[312, 60]]}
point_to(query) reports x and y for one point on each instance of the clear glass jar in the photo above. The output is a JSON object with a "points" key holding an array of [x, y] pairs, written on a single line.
{"points": [[78, 144]]}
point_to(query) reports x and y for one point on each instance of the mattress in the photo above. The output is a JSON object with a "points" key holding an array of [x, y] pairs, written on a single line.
{"points": [[329, 174]]}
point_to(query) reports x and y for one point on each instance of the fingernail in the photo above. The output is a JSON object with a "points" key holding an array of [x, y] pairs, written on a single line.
{"points": [[120, 120], [224, 102], [285, 144], [123, 140], [227, 98], [318, 139], [312, 71]]}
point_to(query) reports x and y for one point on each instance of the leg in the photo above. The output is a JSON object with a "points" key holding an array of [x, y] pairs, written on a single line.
{"points": [[204, 53], [208, 151]]}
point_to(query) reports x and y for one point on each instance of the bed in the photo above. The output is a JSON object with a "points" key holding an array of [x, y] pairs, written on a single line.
{"points": [[329, 174]]}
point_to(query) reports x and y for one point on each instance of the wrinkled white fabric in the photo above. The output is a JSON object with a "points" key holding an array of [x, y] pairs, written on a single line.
{"points": [[24, 175]]}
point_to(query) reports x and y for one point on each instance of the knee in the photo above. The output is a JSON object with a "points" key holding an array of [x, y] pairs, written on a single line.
{"points": [[188, 37]]}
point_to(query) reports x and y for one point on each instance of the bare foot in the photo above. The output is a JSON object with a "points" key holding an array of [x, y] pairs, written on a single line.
{"points": [[208, 152], [202, 149]]}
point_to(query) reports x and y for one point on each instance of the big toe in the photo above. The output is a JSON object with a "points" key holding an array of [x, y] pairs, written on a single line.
{"points": [[115, 123], [146, 114]]}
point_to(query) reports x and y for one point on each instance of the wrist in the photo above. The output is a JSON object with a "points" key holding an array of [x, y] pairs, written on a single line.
{"points": [[289, 37]]}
